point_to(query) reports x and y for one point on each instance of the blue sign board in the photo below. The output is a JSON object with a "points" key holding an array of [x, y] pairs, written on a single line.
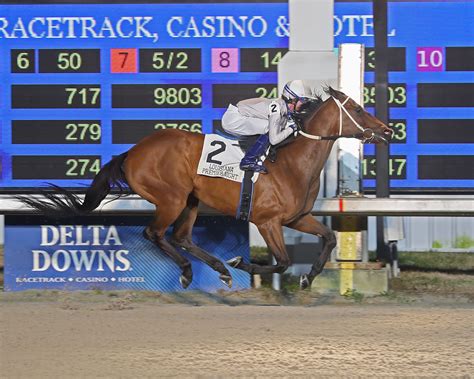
{"points": [[111, 253], [93, 79]]}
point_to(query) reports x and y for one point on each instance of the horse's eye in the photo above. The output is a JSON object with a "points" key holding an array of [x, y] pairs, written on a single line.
{"points": [[358, 109]]}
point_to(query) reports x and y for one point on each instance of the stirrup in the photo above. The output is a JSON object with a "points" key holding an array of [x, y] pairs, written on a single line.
{"points": [[253, 167]]}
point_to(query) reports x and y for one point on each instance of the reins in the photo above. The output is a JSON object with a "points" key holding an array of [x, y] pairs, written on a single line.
{"points": [[365, 135]]}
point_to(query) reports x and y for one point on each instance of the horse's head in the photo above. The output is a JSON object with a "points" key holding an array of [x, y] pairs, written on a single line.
{"points": [[355, 121]]}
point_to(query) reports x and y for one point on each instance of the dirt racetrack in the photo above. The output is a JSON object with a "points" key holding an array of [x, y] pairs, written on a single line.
{"points": [[202, 335]]}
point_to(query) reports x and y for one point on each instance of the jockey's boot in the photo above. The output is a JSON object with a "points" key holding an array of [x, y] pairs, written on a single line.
{"points": [[251, 161]]}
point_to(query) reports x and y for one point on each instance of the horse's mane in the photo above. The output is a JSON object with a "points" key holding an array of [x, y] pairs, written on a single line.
{"points": [[309, 108]]}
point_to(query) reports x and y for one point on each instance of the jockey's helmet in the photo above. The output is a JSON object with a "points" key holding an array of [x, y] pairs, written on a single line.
{"points": [[296, 90]]}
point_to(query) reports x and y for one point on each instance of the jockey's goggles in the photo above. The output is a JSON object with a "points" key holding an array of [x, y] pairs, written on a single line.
{"points": [[294, 100]]}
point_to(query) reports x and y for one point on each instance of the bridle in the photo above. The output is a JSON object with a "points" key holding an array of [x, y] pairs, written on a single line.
{"points": [[366, 135]]}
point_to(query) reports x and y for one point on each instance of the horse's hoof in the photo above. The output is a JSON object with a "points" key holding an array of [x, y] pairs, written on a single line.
{"points": [[226, 279], [235, 262], [304, 282], [185, 282], [146, 235]]}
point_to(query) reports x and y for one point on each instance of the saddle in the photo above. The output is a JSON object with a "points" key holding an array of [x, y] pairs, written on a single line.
{"points": [[246, 189], [246, 142]]}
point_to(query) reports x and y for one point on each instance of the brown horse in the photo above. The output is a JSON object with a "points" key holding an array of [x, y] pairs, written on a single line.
{"points": [[162, 169]]}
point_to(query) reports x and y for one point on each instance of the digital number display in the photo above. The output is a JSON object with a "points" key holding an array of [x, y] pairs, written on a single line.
{"points": [[69, 61], [56, 132], [22, 61], [55, 166], [453, 131], [431, 106], [396, 167], [224, 94], [55, 96], [446, 167], [400, 130], [397, 95], [260, 60], [446, 95], [396, 59], [460, 59], [170, 60], [132, 131], [84, 81], [156, 96]]}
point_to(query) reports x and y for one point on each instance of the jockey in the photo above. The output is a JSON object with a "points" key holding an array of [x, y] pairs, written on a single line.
{"points": [[271, 118]]}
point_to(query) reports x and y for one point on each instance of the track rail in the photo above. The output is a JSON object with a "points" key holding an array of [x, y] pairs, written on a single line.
{"points": [[361, 206]]}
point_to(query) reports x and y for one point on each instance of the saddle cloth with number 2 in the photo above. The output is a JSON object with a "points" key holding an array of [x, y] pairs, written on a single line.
{"points": [[220, 157]]}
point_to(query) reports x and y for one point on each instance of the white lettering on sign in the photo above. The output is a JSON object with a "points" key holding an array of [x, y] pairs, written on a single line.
{"points": [[357, 25], [78, 259], [81, 260], [73, 235], [40, 279], [217, 26], [144, 27], [78, 27]]}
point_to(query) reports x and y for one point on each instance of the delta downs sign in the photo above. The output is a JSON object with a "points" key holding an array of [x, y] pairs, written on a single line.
{"points": [[110, 253]]}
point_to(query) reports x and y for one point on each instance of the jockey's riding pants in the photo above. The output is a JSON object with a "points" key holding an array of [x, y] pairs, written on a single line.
{"points": [[234, 123]]}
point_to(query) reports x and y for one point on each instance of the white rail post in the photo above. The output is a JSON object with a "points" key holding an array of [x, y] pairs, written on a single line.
{"points": [[351, 230]]}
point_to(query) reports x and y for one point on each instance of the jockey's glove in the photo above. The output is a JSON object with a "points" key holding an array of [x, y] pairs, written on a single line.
{"points": [[293, 126]]}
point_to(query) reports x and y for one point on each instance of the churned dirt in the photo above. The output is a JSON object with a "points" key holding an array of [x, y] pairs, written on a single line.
{"points": [[245, 334]]}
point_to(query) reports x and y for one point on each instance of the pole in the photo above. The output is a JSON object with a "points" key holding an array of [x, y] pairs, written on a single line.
{"points": [[381, 112]]}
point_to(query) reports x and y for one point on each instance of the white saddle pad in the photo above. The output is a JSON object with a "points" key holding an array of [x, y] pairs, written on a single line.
{"points": [[220, 157]]}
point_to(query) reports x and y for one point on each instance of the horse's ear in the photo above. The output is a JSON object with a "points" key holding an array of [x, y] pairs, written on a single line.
{"points": [[332, 92]]}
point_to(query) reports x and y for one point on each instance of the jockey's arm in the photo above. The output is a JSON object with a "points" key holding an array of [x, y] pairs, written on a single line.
{"points": [[277, 129]]}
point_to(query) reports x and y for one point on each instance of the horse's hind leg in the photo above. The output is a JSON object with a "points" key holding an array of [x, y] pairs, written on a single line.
{"points": [[155, 232], [308, 224], [272, 233], [182, 238]]}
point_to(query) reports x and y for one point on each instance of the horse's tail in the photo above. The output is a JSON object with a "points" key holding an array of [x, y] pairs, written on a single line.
{"points": [[63, 203]]}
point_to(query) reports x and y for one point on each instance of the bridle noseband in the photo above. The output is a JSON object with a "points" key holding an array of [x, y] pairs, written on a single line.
{"points": [[366, 135]]}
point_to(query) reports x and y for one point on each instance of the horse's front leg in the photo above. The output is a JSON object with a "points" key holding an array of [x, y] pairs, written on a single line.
{"points": [[272, 233], [308, 224]]}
